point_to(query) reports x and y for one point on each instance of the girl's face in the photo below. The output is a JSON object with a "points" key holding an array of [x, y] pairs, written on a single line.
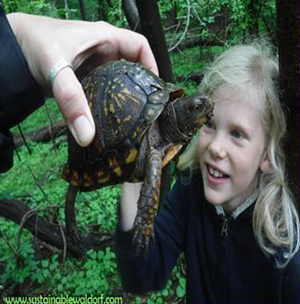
{"points": [[232, 148]]}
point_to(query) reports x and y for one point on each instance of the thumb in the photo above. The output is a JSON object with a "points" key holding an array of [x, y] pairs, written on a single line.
{"points": [[73, 105]]}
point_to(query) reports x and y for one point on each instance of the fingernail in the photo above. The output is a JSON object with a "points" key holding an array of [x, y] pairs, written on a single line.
{"points": [[82, 130]]}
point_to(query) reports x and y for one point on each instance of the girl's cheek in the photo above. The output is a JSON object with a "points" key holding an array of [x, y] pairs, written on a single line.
{"points": [[202, 143], [204, 139]]}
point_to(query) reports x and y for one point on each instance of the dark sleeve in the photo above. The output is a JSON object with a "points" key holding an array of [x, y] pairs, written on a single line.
{"points": [[291, 282], [20, 95], [142, 272]]}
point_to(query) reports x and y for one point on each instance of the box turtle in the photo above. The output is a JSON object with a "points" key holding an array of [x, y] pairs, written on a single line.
{"points": [[142, 123]]}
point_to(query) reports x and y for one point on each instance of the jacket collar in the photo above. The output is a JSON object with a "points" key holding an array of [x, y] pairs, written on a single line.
{"points": [[242, 207]]}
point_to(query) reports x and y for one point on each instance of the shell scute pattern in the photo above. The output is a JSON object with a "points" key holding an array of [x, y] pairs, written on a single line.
{"points": [[124, 100]]}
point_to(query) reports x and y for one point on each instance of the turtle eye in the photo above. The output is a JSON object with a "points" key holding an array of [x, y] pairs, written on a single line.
{"points": [[195, 108]]}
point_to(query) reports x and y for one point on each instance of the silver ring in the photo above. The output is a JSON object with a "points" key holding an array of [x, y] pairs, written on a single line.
{"points": [[60, 65]]}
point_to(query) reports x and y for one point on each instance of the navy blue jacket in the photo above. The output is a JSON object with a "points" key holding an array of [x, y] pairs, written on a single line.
{"points": [[20, 95], [220, 269]]}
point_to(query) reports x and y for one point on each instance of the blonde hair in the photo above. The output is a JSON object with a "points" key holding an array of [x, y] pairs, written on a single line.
{"points": [[275, 219]]}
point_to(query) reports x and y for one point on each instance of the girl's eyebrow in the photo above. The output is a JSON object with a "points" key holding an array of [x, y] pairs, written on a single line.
{"points": [[243, 127]]}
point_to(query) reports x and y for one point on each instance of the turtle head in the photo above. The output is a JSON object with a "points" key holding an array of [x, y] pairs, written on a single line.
{"points": [[183, 116], [191, 113]]}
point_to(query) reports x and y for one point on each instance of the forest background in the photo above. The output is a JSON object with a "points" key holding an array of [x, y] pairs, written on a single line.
{"points": [[195, 32]]}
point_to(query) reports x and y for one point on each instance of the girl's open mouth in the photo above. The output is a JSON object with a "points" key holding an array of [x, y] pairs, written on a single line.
{"points": [[215, 176]]}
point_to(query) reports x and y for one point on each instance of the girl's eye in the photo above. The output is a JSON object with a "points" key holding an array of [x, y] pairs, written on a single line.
{"points": [[209, 125], [237, 134]]}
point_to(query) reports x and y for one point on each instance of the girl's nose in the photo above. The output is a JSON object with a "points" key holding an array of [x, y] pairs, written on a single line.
{"points": [[217, 148]]}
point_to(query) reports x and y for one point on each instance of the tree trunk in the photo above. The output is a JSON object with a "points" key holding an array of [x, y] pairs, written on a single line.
{"points": [[288, 18], [82, 9], [48, 232], [132, 15], [152, 28], [66, 9], [44, 134]]}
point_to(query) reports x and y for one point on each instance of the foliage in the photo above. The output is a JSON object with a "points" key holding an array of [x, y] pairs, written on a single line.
{"points": [[222, 21]]}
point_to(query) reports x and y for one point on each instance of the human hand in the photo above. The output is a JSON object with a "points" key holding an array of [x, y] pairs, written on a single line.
{"points": [[85, 45]]}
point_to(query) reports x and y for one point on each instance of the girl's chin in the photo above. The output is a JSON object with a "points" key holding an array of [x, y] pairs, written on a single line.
{"points": [[213, 198]]}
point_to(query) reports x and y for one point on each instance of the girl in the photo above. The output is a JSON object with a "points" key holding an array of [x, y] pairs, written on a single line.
{"points": [[231, 212]]}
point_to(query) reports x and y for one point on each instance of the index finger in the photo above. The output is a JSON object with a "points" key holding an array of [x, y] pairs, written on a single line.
{"points": [[135, 47], [73, 105], [147, 58]]}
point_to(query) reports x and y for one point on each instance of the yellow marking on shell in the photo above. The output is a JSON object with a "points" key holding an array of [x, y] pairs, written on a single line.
{"points": [[133, 98], [102, 177], [112, 108], [126, 94], [132, 156], [100, 173], [113, 162], [121, 96], [134, 134], [118, 171], [87, 180], [87, 84], [105, 107], [119, 104], [150, 112], [75, 178], [103, 180], [126, 91], [127, 118], [117, 100]]}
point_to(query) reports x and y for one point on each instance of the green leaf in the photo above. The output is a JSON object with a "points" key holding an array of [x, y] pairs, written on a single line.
{"points": [[180, 291], [45, 263], [64, 280], [182, 282], [165, 292]]}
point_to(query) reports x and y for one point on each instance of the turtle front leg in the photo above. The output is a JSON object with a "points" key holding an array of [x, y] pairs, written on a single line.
{"points": [[149, 200], [70, 217]]}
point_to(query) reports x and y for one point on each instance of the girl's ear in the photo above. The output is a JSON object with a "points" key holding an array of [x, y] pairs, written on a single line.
{"points": [[265, 163]]}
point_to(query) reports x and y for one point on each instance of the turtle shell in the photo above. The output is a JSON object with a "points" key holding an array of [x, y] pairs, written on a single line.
{"points": [[125, 99]]}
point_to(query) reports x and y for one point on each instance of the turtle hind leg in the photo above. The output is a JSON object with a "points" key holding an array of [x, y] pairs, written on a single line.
{"points": [[148, 201], [70, 217]]}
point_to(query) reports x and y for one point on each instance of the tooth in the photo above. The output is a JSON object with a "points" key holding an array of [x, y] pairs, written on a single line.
{"points": [[215, 173]]}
